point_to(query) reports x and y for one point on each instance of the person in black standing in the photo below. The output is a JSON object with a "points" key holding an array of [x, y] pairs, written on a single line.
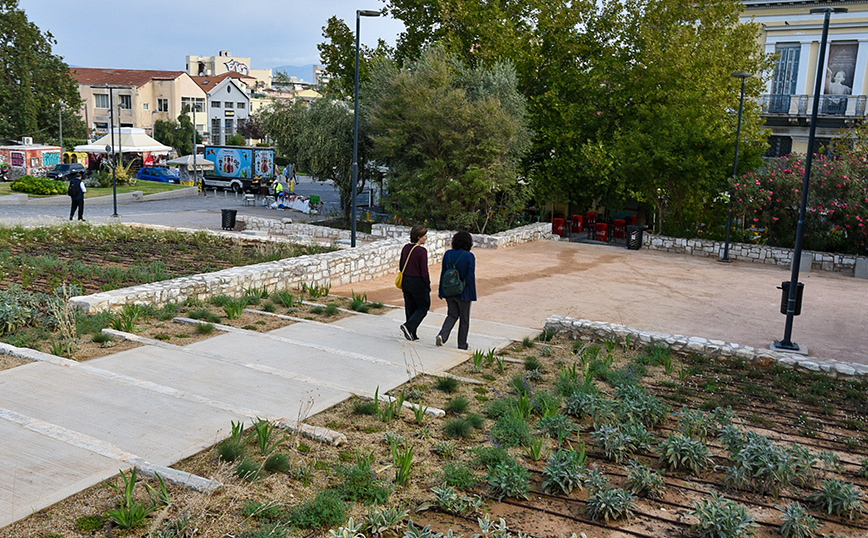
{"points": [[416, 284], [458, 305], [76, 193]]}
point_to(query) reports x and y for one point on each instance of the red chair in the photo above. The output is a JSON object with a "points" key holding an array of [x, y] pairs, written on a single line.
{"points": [[590, 221], [576, 224], [631, 220], [620, 231], [558, 226], [601, 232]]}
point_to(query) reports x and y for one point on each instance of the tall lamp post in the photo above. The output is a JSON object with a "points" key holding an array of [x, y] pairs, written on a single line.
{"points": [[195, 140], [787, 343], [60, 107], [359, 14], [743, 76], [108, 149]]}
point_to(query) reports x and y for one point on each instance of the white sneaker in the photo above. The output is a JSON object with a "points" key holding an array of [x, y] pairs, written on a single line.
{"points": [[439, 341]]}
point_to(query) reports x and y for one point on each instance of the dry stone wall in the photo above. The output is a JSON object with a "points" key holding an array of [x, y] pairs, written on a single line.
{"points": [[820, 261], [336, 268], [599, 331]]}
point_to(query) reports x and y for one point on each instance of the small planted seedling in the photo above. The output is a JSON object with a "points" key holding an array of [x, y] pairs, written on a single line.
{"points": [[611, 504], [644, 481], [837, 498], [234, 308], [535, 448], [277, 462], [509, 479], [456, 405], [527, 342], [720, 517], [380, 521], [564, 472], [478, 359], [448, 499], [131, 513], [286, 299], [403, 459], [798, 523], [205, 328], [680, 453], [264, 432]]}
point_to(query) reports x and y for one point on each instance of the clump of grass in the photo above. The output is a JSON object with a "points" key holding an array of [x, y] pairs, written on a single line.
{"points": [[447, 384], [458, 475], [326, 510], [203, 314], [458, 428], [277, 463], [101, 338], [205, 328], [365, 407], [457, 405]]}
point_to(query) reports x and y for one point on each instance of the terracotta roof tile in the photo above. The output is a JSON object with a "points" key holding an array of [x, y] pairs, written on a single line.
{"points": [[208, 83], [120, 77]]}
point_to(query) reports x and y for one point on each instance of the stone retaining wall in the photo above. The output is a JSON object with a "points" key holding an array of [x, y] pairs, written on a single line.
{"points": [[824, 261], [329, 269], [598, 331]]}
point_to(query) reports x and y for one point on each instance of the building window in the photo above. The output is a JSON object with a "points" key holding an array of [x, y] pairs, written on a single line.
{"points": [[215, 104], [230, 127], [190, 103], [241, 105], [146, 106], [100, 100], [100, 126], [125, 101], [786, 76], [229, 104], [215, 131], [779, 146], [162, 105]]}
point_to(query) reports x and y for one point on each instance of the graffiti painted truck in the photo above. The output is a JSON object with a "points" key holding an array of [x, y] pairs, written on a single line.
{"points": [[28, 158], [240, 168]]}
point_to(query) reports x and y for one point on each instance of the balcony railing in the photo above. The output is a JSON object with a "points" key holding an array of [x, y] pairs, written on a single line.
{"points": [[801, 105]]}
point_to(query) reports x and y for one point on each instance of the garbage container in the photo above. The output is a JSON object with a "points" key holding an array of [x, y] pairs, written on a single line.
{"points": [[558, 226], [634, 237], [229, 218], [785, 297], [576, 224]]}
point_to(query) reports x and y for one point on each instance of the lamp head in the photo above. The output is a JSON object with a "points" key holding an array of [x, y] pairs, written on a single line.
{"points": [[830, 10], [368, 13], [742, 75]]}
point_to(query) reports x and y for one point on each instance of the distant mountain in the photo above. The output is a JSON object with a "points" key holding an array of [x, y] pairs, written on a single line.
{"points": [[304, 72]]}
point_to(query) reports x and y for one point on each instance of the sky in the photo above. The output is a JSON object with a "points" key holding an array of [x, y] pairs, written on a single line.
{"points": [[159, 34]]}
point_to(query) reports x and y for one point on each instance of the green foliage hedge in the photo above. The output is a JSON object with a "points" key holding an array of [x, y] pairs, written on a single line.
{"points": [[39, 185]]}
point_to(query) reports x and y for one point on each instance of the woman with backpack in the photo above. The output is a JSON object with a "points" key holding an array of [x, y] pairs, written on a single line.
{"points": [[415, 283], [458, 287], [76, 192]]}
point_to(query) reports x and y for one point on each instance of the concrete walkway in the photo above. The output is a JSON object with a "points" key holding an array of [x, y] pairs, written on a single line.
{"points": [[65, 426]]}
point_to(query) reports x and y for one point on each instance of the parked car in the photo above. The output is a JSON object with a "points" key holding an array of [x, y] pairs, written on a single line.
{"points": [[159, 173], [62, 171]]}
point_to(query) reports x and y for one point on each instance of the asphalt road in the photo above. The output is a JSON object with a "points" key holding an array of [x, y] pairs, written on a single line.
{"points": [[193, 212]]}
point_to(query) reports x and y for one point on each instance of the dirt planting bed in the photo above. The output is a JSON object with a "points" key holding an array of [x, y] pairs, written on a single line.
{"points": [[555, 438]]}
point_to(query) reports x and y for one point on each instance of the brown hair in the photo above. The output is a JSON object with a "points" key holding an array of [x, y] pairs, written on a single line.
{"points": [[417, 232], [462, 241]]}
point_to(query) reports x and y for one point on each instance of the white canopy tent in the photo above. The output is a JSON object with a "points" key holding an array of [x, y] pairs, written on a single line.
{"points": [[187, 162], [127, 140]]}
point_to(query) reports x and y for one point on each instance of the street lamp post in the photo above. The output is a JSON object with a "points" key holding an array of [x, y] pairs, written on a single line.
{"points": [[359, 14], [108, 149], [195, 140], [787, 343], [743, 76], [60, 125]]}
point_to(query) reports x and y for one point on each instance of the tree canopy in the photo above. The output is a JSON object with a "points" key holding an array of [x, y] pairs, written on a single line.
{"points": [[451, 136], [178, 134], [34, 82]]}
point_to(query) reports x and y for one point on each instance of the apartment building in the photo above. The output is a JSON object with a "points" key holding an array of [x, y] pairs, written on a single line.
{"points": [[793, 34]]}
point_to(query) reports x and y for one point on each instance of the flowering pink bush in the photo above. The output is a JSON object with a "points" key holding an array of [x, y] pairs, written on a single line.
{"points": [[837, 218]]}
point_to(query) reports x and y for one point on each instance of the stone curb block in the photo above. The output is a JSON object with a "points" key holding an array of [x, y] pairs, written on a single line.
{"points": [[176, 477], [33, 355], [323, 435], [588, 331]]}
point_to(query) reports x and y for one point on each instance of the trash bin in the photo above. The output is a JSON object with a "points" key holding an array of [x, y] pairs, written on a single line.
{"points": [[229, 218], [576, 224], [634, 237], [785, 297]]}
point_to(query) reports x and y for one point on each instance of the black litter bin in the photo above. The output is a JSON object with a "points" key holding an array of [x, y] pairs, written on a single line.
{"points": [[229, 218], [634, 237], [785, 297]]}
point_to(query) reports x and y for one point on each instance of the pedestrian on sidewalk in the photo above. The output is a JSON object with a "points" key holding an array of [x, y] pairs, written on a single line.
{"points": [[76, 192], [416, 283], [460, 258]]}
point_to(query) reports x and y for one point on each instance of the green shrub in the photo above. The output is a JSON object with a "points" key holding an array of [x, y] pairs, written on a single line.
{"points": [[610, 504], [39, 185], [837, 498], [458, 475], [564, 472], [509, 479], [680, 453], [326, 510], [361, 483], [90, 523], [457, 405], [365, 407], [277, 463], [203, 314], [559, 427], [798, 523], [644, 481], [614, 443], [447, 384], [511, 430], [487, 457], [722, 518], [458, 428]]}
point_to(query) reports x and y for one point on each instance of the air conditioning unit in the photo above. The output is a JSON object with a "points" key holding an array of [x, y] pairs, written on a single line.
{"points": [[27, 141]]}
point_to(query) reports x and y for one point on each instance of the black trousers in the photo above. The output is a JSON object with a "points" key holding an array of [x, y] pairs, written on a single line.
{"points": [[417, 301], [79, 204], [459, 311]]}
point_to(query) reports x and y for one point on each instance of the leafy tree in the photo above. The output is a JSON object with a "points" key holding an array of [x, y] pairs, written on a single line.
{"points": [[178, 134], [252, 128], [34, 81], [452, 138], [319, 139], [236, 140], [338, 55]]}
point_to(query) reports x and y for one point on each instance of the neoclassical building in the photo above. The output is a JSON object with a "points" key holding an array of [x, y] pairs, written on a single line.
{"points": [[792, 33]]}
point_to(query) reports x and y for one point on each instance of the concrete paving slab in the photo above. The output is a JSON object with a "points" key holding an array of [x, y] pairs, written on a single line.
{"points": [[214, 377], [39, 471], [487, 332], [157, 427]]}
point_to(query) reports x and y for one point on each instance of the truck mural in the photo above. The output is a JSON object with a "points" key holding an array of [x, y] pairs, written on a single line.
{"points": [[239, 168], [29, 158]]}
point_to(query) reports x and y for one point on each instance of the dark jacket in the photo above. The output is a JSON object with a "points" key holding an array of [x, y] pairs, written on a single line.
{"points": [[77, 187], [465, 262], [418, 264]]}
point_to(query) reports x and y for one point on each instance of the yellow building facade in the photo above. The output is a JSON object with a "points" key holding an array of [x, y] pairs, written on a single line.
{"points": [[793, 35]]}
